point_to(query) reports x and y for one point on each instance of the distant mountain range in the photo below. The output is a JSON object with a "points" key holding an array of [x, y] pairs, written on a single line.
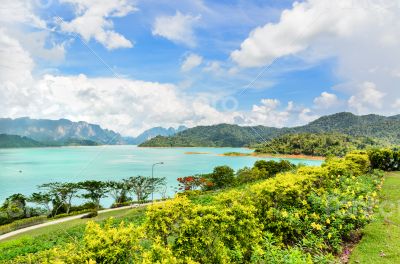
{"points": [[156, 131], [53, 131], [385, 129], [13, 141], [63, 132]]}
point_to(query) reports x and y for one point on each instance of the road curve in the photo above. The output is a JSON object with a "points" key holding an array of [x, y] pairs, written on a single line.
{"points": [[65, 219]]}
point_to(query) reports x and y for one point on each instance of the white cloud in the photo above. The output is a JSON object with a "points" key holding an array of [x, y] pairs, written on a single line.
{"points": [[368, 99], [191, 61], [362, 36], [326, 100], [40, 45], [93, 21], [16, 63], [177, 28], [214, 67], [297, 30], [20, 11], [268, 113]]}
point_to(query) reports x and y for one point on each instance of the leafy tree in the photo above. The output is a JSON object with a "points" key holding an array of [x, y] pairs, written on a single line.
{"points": [[271, 168], [41, 199], [61, 195], [95, 190], [221, 177], [15, 206], [190, 183], [117, 190], [248, 175], [142, 186]]}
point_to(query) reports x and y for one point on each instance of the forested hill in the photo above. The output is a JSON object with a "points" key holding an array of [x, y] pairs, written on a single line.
{"points": [[313, 144], [222, 135], [369, 125], [15, 141], [12, 141], [373, 126]]}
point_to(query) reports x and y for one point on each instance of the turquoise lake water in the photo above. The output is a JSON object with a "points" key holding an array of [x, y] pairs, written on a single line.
{"points": [[21, 170]]}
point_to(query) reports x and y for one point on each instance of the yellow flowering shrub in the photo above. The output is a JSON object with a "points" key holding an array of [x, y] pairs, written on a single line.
{"points": [[315, 208]]}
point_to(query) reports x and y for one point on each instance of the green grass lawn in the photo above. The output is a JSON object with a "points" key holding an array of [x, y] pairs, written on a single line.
{"points": [[381, 238], [59, 234]]}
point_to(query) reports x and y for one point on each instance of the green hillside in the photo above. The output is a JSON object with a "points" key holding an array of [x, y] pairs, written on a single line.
{"points": [[385, 129], [222, 135], [315, 144], [12, 141]]}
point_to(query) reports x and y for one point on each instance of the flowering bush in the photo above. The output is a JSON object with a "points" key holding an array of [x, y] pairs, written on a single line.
{"points": [[295, 217]]}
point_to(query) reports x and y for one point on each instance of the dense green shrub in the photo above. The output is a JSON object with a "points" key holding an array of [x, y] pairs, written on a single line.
{"points": [[271, 168], [385, 159]]}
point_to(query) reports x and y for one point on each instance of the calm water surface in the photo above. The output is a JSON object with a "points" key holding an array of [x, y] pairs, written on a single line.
{"points": [[21, 170]]}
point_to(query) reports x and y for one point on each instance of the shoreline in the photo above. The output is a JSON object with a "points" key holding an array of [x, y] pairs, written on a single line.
{"points": [[266, 155]]}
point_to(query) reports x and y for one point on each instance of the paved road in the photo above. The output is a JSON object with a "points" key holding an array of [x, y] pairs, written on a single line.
{"points": [[62, 220]]}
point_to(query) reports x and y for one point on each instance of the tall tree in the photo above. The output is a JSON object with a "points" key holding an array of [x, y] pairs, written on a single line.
{"points": [[221, 177], [61, 194], [15, 206], [95, 190], [142, 186], [41, 199], [118, 191]]}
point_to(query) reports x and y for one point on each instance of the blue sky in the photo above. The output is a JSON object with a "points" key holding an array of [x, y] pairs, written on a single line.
{"points": [[130, 65]]}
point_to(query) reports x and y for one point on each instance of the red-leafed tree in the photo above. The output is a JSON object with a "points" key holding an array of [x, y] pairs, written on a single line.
{"points": [[190, 183]]}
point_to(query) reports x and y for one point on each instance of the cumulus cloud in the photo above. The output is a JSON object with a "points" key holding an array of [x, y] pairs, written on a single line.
{"points": [[191, 61], [326, 100], [16, 63], [368, 97], [93, 21], [270, 113], [214, 67], [177, 28], [362, 37], [41, 45], [297, 30], [20, 11]]}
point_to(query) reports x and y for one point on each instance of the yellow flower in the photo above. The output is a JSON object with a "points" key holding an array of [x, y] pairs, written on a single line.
{"points": [[329, 235], [316, 226], [328, 221], [285, 214]]}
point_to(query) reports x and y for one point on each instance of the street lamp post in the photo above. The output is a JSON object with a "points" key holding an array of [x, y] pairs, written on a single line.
{"points": [[152, 179]]}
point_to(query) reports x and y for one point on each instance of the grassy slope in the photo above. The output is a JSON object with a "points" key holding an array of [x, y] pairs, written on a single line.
{"points": [[381, 240], [48, 237]]}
